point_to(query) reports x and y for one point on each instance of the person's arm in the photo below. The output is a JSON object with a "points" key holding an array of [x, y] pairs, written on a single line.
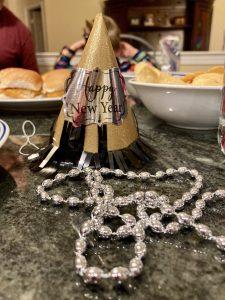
{"points": [[28, 56], [67, 53], [145, 56], [135, 55], [141, 56], [63, 61], [126, 50]]}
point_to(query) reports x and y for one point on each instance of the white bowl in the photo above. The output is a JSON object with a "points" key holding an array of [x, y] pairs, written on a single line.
{"points": [[182, 106], [131, 90]]}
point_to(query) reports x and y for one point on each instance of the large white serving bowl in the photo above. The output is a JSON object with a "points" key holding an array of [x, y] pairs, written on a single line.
{"points": [[182, 106], [131, 90], [127, 77]]}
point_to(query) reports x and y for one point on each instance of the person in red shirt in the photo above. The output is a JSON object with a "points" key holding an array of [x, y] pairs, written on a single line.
{"points": [[16, 43]]}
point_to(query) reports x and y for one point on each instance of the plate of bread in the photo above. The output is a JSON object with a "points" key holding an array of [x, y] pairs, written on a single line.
{"points": [[191, 101], [26, 90]]}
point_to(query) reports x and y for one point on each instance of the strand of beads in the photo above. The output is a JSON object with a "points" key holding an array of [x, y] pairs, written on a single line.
{"points": [[106, 208], [96, 187], [106, 205], [58, 199], [95, 274]]}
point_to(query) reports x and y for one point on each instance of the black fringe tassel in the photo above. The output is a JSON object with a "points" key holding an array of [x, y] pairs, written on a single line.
{"points": [[70, 152]]}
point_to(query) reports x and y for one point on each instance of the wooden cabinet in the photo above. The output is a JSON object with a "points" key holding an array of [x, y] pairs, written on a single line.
{"points": [[153, 18]]}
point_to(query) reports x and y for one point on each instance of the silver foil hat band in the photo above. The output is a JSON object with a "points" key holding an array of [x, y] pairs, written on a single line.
{"points": [[95, 97]]}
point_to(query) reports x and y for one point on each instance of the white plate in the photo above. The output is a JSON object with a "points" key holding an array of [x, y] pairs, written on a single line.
{"points": [[42, 104], [4, 132], [185, 106]]}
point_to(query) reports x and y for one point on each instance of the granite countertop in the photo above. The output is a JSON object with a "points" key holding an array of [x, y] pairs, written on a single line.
{"points": [[37, 242]]}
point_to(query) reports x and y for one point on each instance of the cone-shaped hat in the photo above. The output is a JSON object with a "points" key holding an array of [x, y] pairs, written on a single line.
{"points": [[77, 135], [99, 53]]}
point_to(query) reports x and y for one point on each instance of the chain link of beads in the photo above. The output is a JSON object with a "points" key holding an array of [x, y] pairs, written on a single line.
{"points": [[94, 180], [58, 199], [106, 205], [95, 274]]}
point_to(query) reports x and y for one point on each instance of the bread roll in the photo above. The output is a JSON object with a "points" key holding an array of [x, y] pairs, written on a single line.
{"points": [[54, 82], [146, 73], [2, 95], [20, 93], [15, 78], [54, 94], [166, 78], [208, 79], [19, 83], [188, 78], [216, 69]]}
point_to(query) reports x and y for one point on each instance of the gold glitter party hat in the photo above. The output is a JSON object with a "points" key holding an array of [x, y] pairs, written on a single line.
{"points": [[96, 125], [99, 53]]}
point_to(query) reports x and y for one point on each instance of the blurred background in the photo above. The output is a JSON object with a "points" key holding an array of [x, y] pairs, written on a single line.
{"points": [[199, 24]]}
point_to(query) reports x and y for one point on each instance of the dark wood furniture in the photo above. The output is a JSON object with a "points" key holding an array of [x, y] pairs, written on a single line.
{"points": [[192, 17]]}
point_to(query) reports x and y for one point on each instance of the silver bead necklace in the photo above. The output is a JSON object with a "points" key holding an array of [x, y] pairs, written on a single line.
{"points": [[106, 205]]}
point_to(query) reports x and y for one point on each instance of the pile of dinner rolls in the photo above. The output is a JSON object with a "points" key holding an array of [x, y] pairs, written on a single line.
{"points": [[16, 83]]}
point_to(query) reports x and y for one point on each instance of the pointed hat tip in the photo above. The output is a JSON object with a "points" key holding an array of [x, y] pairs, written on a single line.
{"points": [[98, 52], [99, 18], [99, 15]]}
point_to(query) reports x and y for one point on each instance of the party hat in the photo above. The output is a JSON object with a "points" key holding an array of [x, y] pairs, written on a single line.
{"points": [[96, 125]]}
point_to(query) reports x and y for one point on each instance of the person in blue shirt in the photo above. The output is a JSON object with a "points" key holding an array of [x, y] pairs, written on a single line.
{"points": [[130, 54]]}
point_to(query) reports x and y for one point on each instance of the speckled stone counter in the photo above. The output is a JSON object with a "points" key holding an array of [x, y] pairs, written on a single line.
{"points": [[37, 242]]}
